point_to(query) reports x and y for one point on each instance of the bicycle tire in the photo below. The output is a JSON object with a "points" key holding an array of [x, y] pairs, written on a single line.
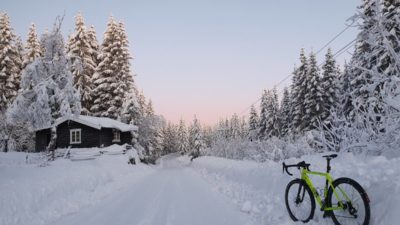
{"points": [[293, 188], [356, 192]]}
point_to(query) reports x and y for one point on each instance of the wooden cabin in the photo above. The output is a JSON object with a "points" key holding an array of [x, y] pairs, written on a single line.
{"points": [[86, 132]]}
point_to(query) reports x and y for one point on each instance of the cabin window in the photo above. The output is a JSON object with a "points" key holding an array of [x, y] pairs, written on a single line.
{"points": [[75, 136], [116, 136]]}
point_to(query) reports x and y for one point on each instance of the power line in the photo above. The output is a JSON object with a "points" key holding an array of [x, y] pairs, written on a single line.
{"points": [[342, 50], [334, 38], [335, 55]]}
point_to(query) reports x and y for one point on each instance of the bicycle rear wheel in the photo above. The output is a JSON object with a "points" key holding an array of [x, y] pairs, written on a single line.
{"points": [[299, 200], [353, 199]]}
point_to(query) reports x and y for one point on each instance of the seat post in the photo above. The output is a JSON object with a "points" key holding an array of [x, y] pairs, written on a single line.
{"points": [[328, 169], [328, 165]]}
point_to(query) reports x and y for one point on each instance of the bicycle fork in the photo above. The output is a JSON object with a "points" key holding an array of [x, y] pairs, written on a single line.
{"points": [[300, 195]]}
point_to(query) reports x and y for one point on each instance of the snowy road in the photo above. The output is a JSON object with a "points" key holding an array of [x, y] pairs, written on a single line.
{"points": [[174, 194], [210, 190]]}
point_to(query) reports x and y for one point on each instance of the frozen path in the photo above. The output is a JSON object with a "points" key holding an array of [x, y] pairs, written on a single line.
{"points": [[173, 195]]}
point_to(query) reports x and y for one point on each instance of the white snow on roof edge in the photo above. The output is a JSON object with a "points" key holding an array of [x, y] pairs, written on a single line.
{"points": [[96, 122]]}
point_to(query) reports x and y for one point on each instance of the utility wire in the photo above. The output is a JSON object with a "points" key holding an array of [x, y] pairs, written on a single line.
{"points": [[337, 54], [334, 38]]}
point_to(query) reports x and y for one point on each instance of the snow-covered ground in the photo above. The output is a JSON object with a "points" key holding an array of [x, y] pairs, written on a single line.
{"points": [[259, 188], [208, 190], [31, 194]]}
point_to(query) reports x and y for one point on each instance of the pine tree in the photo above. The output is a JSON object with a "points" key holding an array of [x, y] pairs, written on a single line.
{"points": [[273, 121], [32, 46], [170, 140], [20, 61], [363, 60], [345, 105], [149, 111], [196, 142], [108, 98], [262, 125], [253, 124], [131, 110], [83, 67], [389, 35], [10, 63], [183, 142], [329, 82], [234, 127], [207, 133], [126, 77], [314, 97], [298, 93], [94, 45], [141, 101], [285, 113]]}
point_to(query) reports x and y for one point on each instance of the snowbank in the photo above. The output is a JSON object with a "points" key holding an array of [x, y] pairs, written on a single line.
{"points": [[40, 195], [258, 188]]}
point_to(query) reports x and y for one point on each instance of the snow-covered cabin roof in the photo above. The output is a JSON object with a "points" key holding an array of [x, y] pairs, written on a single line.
{"points": [[98, 122]]}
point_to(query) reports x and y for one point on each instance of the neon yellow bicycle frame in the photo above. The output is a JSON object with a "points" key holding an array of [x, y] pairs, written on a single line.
{"points": [[329, 179]]}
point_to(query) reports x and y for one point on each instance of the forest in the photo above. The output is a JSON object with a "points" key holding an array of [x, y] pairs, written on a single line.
{"points": [[328, 107]]}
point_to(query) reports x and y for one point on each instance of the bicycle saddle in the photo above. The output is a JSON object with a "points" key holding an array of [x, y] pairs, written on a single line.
{"points": [[330, 156]]}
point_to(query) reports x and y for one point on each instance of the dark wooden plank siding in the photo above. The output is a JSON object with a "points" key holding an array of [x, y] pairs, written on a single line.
{"points": [[126, 138], [42, 139], [89, 136], [107, 137]]}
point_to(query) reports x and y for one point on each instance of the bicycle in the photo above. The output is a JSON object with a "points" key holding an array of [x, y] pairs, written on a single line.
{"points": [[344, 200]]}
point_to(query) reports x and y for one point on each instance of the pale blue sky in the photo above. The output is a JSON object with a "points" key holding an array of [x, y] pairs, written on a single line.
{"points": [[209, 58]]}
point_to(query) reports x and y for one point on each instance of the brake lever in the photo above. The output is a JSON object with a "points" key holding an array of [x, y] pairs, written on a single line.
{"points": [[287, 171], [284, 168]]}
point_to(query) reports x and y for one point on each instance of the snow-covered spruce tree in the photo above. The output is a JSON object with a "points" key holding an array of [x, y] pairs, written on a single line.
{"points": [[314, 96], [363, 60], [141, 99], [131, 112], [149, 111], [108, 96], [94, 45], [298, 93], [285, 113], [207, 136], [170, 140], [253, 124], [183, 142], [374, 88], [389, 33], [32, 46], [47, 91], [126, 83], [234, 127], [384, 65], [345, 107], [262, 124], [329, 82], [196, 142], [80, 51], [10, 63], [273, 118]]}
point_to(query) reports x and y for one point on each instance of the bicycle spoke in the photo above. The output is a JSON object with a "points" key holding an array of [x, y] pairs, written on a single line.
{"points": [[344, 216], [300, 202]]}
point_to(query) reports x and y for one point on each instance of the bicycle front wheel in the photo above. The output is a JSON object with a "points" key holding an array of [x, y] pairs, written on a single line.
{"points": [[352, 199], [299, 200]]}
